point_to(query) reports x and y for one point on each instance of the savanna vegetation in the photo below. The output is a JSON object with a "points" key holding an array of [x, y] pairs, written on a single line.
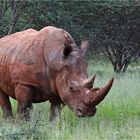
{"points": [[113, 30], [117, 117]]}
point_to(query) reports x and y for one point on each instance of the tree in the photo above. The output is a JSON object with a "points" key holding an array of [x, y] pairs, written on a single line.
{"points": [[112, 27], [118, 34], [17, 8], [4, 5], [121, 54]]}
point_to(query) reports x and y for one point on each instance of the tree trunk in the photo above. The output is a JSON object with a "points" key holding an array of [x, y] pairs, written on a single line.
{"points": [[12, 26], [120, 68]]}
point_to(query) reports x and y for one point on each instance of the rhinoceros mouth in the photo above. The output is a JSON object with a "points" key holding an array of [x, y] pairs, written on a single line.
{"points": [[85, 112]]}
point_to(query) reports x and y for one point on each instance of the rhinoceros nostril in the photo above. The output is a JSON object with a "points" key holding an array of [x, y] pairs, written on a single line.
{"points": [[79, 112]]}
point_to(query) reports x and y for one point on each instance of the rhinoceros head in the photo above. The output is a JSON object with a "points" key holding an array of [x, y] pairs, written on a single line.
{"points": [[67, 71], [74, 86]]}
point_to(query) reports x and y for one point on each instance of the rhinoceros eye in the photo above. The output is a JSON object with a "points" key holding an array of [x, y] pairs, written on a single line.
{"points": [[67, 50], [72, 88]]}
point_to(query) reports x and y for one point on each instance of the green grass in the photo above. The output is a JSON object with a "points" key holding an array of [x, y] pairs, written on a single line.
{"points": [[117, 117]]}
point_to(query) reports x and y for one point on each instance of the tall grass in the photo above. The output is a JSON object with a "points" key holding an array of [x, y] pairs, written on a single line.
{"points": [[117, 117]]}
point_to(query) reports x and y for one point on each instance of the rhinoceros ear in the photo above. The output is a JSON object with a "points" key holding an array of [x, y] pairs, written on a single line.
{"points": [[84, 46], [67, 50]]}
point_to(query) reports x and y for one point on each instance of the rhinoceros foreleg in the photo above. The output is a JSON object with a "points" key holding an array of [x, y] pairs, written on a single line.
{"points": [[55, 111], [24, 99], [5, 105]]}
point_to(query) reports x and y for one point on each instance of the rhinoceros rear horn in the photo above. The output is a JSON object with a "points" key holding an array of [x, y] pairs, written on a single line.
{"points": [[89, 82], [99, 94], [67, 50]]}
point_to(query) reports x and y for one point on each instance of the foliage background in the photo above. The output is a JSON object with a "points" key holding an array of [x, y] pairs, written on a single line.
{"points": [[92, 19], [111, 26]]}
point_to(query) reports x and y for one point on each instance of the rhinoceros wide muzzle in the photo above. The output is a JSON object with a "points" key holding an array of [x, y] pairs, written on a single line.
{"points": [[92, 97], [96, 95], [80, 112]]}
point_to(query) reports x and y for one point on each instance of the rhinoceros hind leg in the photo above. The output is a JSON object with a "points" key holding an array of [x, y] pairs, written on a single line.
{"points": [[5, 105], [55, 111], [24, 100]]}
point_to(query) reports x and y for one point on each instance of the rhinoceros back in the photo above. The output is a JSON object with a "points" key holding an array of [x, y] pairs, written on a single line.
{"points": [[20, 60]]}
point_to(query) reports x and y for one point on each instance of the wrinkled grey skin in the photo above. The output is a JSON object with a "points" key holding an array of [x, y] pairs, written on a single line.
{"points": [[46, 65]]}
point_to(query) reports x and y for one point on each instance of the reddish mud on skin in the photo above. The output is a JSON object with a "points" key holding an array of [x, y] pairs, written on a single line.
{"points": [[46, 65]]}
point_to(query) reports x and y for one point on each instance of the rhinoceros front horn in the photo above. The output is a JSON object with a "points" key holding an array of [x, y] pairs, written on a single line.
{"points": [[98, 94]]}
